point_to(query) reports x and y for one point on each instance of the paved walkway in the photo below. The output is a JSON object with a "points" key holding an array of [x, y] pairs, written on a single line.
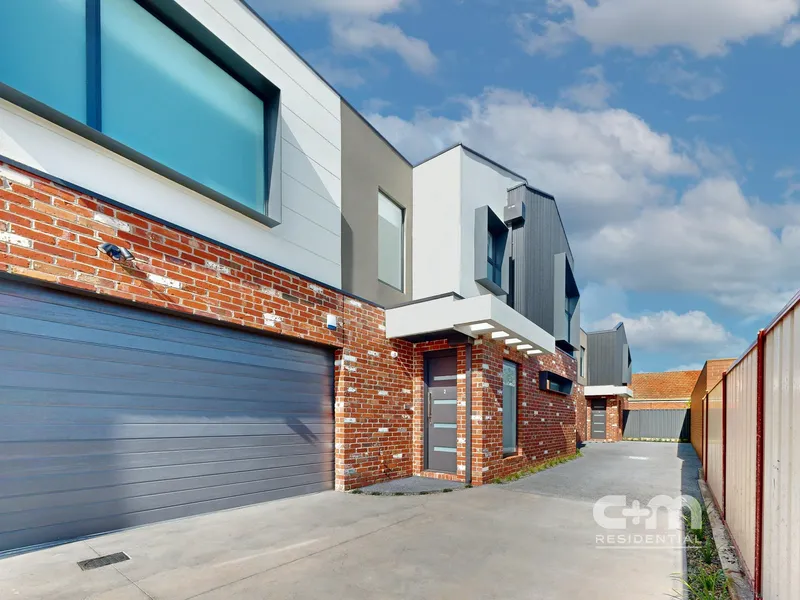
{"points": [[533, 539]]}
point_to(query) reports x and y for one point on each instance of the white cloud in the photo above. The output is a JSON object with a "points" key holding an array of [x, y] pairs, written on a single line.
{"points": [[791, 35], [614, 178], [360, 35], [591, 91], [667, 331], [356, 29], [706, 27], [682, 82], [363, 8], [603, 165], [713, 242]]}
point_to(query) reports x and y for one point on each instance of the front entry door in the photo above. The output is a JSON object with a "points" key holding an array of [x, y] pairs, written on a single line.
{"points": [[440, 412], [598, 419]]}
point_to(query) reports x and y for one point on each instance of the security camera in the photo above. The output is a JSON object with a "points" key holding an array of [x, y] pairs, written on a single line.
{"points": [[116, 253]]}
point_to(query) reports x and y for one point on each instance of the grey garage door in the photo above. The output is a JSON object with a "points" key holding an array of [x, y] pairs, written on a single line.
{"points": [[112, 416]]}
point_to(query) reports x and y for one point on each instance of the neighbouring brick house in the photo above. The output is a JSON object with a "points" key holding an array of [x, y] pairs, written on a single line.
{"points": [[669, 391], [236, 313]]}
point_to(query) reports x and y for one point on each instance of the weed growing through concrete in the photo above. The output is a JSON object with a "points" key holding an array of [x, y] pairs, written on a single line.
{"points": [[553, 462]]}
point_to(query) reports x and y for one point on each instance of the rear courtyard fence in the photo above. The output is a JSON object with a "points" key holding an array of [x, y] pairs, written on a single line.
{"points": [[656, 424]]}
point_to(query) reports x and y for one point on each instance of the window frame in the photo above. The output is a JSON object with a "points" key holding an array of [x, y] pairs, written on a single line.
{"points": [[403, 244], [199, 37], [507, 451]]}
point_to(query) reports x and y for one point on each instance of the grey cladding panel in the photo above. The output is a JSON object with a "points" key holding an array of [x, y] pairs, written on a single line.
{"points": [[112, 416], [534, 246]]}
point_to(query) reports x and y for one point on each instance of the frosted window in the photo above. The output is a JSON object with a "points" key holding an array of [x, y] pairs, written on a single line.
{"points": [[390, 242], [165, 99], [43, 52]]}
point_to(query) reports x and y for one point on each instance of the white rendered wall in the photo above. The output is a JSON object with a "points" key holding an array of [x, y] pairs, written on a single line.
{"points": [[437, 227], [309, 238], [482, 184]]}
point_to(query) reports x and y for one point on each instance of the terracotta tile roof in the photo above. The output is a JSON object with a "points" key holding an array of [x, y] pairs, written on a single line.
{"points": [[674, 385]]}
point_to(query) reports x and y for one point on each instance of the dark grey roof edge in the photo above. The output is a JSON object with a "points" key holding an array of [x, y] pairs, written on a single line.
{"points": [[615, 328], [344, 100]]}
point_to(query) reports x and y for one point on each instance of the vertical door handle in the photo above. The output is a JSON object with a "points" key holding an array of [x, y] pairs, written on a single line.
{"points": [[430, 407]]}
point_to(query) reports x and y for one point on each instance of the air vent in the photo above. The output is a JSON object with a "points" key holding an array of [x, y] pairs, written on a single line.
{"points": [[103, 561]]}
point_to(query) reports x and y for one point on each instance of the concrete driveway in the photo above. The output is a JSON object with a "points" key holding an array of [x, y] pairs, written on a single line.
{"points": [[535, 538]]}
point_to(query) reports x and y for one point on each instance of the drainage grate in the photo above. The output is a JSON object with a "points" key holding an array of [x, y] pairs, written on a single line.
{"points": [[103, 561]]}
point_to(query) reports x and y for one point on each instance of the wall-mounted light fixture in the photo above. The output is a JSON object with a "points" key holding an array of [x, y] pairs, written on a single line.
{"points": [[116, 253]]}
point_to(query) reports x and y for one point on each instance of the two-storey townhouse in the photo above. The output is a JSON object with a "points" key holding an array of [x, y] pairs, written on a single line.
{"points": [[608, 361], [199, 239], [494, 321]]}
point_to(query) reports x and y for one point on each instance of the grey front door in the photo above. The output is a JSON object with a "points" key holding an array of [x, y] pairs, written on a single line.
{"points": [[598, 419], [113, 416], [440, 412]]}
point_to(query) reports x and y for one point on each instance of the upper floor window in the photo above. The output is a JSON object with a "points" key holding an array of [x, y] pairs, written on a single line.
{"points": [[390, 242], [43, 52], [495, 259], [568, 309], [582, 365], [115, 67], [491, 238]]}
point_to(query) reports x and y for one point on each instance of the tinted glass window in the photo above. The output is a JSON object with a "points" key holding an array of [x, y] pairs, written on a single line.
{"points": [[184, 112], [43, 52]]}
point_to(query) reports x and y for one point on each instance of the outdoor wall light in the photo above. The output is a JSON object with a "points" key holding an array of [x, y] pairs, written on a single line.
{"points": [[116, 253]]}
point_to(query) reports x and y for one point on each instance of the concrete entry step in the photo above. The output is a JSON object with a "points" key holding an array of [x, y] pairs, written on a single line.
{"points": [[412, 485]]}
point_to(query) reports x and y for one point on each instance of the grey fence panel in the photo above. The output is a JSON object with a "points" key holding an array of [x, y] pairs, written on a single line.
{"points": [[656, 424]]}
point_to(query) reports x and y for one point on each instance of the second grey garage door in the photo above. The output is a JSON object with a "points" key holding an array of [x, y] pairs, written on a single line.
{"points": [[112, 416]]}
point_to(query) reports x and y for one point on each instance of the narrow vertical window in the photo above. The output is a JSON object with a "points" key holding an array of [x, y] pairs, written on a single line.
{"points": [[43, 52], [494, 259], [390, 242], [509, 408], [582, 369]]}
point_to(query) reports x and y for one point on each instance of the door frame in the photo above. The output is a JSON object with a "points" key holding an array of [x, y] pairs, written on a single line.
{"points": [[425, 428]]}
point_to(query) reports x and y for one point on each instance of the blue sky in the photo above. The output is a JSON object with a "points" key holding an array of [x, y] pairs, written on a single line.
{"points": [[666, 130]]}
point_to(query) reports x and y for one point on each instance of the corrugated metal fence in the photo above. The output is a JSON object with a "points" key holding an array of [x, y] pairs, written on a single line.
{"points": [[781, 526], [740, 449], [656, 424], [713, 446], [752, 462]]}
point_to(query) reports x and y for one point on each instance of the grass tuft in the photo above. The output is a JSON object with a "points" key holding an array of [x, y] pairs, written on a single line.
{"points": [[553, 462], [705, 579]]}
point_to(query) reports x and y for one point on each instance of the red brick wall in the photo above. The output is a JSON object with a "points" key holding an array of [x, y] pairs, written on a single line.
{"points": [[582, 414], [673, 405], [546, 425], [51, 233], [614, 408]]}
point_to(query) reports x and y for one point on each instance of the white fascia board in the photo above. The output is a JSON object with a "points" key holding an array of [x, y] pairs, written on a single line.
{"points": [[607, 390], [447, 313]]}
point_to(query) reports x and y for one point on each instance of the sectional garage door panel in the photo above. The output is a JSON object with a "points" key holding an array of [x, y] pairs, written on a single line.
{"points": [[113, 416]]}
